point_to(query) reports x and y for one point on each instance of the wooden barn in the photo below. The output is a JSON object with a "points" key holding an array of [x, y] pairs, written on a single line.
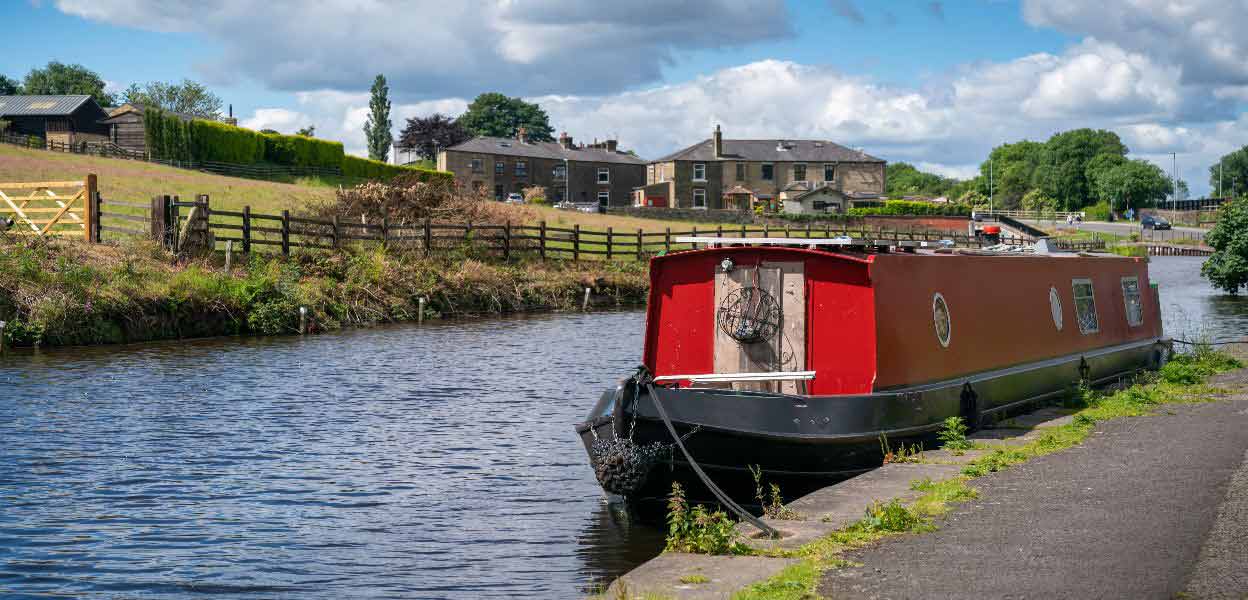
{"points": [[58, 119], [126, 128]]}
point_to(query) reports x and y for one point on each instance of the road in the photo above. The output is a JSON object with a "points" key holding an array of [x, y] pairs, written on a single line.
{"points": [[1148, 507], [1124, 228]]}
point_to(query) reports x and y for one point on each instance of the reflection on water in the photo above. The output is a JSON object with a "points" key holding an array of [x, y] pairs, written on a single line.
{"points": [[1191, 308], [392, 462], [399, 461]]}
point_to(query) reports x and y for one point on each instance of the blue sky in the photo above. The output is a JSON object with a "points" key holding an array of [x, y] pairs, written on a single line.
{"points": [[935, 83]]}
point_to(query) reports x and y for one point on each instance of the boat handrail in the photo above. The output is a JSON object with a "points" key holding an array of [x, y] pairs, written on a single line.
{"points": [[726, 377]]}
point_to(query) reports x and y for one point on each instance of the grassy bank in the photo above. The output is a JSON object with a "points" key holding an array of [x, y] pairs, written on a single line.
{"points": [[60, 292], [1180, 382]]}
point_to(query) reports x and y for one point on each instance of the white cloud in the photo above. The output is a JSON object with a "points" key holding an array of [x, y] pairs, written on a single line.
{"points": [[433, 48]]}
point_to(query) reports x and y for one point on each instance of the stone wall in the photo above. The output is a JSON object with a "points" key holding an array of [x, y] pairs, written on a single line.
{"points": [[685, 214], [931, 223]]}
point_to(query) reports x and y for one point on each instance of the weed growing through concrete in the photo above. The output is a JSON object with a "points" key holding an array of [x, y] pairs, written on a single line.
{"points": [[694, 578], [903, 454], [952, 435], [938, 495], [773, 505], [699, 531]]}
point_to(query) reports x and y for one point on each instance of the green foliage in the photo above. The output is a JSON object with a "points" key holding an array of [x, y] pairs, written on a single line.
{"points": [[952, 434], [937, 495], [903, 179], [59, 79], [1196, 366], [1230, 174], [1098, 211], [1127, 183], [1012, 167], [170, 137], [1039, 201], [773, 506], [1227, 269], [8, 87], [699, 531], [428, 135], [377, 128], [302, 151], [493, 114], [188, 98], [893, 517], [354, 166], [905, 207]]}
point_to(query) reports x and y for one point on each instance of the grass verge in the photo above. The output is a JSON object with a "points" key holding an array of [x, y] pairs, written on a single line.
{"points": [[1179, 382], [66, 292]]}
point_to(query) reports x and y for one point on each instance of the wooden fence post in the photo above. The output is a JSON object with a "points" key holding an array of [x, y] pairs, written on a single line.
{"points": [[541, 240], [333, 236], [285, 233], [385, 231], [576, 242], [667, 239], [247, 229], [766, 230], [743, 233], [609, 243], [719, 231], [807, 229], [507, 241], [428, 235], [91, 209], [639, 244]]}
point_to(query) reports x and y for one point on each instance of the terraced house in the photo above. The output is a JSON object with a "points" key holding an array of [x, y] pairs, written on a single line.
{"points": [[720, 173], [598, 173]]}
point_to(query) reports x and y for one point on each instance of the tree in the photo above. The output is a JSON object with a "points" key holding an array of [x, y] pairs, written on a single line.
{"points": [[377, 128], [1233, 169], [8, 87], [493, 114], [309, 131], [1013, 167], [1066, 156], [1038, 201], [427, 134], [1131, 183], [188, 98], [270, 132], [903, 178], [1227, 269], [59, 79]]}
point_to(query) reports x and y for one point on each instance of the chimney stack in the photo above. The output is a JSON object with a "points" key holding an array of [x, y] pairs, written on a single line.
{"points": [[718, 138], [522, 135], [230, 120], [611, 145], [565, 140]]}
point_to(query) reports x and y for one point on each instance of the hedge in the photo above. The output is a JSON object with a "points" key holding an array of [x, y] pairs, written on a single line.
{"points": [[906, 207], [173, 138], [354, 166], [302, 151]]}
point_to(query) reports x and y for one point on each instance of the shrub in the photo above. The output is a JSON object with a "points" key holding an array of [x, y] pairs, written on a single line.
{"points": [[354, 166], [952, 434], [698, 531], [1098, 211], [302, 151], [907, 207], [892, 517], [173, 138]]}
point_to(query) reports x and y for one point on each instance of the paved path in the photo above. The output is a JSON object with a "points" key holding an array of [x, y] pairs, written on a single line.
{"points": [[1147, 507], [1125, 228]]}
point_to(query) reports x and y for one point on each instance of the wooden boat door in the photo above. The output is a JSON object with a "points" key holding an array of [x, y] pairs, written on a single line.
{"points": [[761, 323]]}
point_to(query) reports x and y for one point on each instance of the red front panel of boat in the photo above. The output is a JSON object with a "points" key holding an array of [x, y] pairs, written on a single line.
{"points": [[840, 324], [999, 311]]}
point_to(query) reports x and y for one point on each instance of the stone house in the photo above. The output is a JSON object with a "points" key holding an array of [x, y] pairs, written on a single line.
{"points": [[720, 173], [598, 173]]}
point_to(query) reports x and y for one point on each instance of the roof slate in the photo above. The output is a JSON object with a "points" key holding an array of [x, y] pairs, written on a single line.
{"points": [[551, 150], [768, 150], [42, 106]]}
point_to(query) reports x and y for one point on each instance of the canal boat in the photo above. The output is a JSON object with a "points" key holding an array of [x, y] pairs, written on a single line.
{"points": [[808, 359]]}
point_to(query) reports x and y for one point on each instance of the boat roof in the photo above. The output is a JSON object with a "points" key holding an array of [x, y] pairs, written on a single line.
{"points": [[919, 247]]}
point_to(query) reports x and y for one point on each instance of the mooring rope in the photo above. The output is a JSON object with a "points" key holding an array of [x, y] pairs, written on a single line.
{"points": [[1213, 343], [706, 480]]}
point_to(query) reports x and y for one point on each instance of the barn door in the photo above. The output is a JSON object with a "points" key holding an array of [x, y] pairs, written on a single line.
{"points": [[761, 322]]}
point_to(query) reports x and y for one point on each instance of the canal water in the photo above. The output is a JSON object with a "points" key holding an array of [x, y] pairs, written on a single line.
{"points": [[404, 462]]}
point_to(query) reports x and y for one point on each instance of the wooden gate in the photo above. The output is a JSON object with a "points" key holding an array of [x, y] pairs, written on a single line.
{"points": [[62, 208]]}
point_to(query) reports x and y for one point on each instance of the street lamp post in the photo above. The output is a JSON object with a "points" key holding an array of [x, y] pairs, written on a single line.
{"points": [[1174, 179]]}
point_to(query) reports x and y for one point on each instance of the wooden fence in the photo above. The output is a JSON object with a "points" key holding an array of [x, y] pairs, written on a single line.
{"points": [[44, 208], [167, 219]]}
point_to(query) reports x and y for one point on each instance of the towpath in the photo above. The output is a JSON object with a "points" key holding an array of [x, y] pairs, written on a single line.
{"points": [[1150, 507]]}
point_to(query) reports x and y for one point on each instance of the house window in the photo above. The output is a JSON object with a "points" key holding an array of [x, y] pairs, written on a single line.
{"points": [[604, 198], [560, 172], [829, 172], [740, 171], [699, 171], [522, 168], [1085, 306], [475, 164], [699, 198], [500, 167], [1131, 296], [498, 191], [650, 175], [604, 175], [769, 172], [799, 172]]}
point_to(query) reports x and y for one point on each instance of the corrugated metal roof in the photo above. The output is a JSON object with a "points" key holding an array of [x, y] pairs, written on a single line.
{"points": [[774, 151], [551, 150], [42, 106]]}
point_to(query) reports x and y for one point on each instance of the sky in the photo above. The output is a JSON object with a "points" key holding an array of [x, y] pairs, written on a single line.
{"points": [[937, 84]]}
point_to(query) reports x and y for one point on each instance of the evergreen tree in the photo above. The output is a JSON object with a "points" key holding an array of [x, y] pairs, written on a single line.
{"points": [[377, 128]]}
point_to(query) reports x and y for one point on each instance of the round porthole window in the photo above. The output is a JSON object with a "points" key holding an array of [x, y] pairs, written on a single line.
{"points": [[1055, 307], [940, 317]]}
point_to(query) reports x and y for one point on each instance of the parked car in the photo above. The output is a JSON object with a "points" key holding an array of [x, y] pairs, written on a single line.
{"points": [[514, 198], [1154, 222]]}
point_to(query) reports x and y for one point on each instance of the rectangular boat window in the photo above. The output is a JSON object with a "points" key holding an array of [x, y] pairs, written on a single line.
{"points": [[1085, 306], [1131, 296]]}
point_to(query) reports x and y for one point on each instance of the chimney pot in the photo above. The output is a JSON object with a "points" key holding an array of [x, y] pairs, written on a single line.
{"points": [[522, 135]]}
